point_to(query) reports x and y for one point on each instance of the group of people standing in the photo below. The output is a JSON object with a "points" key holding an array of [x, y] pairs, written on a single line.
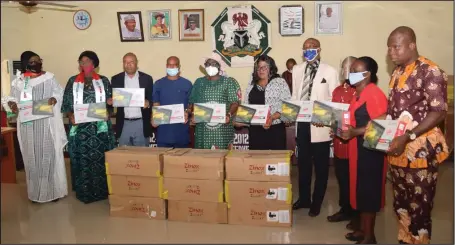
{"points": [[418, 94]]}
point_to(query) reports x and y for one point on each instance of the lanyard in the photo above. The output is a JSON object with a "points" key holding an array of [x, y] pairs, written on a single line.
{"points": [[78, 92], [26, 95]]}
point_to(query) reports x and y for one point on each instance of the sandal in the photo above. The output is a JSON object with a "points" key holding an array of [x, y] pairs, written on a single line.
{"points": [[351, 236]]}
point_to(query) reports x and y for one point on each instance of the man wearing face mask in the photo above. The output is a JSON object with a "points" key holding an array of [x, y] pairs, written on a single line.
{"points": [[133, 123], [343, 94], [313, 80], [170, 90]]}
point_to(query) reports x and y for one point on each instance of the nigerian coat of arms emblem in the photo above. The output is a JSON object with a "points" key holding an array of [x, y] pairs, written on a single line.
{"points": [[241, 34]]}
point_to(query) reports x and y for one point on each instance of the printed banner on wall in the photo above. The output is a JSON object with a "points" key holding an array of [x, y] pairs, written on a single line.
{"points": [[241, 34]]}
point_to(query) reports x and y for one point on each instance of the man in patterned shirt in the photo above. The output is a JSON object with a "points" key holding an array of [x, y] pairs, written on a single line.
{"points": [[418, 96], [343, 94]]}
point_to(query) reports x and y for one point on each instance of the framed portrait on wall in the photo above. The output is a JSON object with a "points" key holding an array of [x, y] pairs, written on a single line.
{"points": [[130, 26], [191, 25], [160, 24], [291, 18], [328, 18]]}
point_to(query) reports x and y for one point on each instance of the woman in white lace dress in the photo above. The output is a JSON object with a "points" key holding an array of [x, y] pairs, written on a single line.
{"points": [[41, 141]]}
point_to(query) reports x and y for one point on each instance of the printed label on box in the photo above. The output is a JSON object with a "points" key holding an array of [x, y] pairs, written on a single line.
{"points": [[271, 169], [283, 169], [284, 216], [272, 194], [272, 216], [282, 194]]}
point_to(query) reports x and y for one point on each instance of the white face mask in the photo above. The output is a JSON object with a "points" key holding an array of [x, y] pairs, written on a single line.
{"points": [[211, 71]]}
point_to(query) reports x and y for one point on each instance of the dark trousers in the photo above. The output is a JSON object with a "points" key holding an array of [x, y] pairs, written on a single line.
{"points": [[342, 174], [309, 154]]}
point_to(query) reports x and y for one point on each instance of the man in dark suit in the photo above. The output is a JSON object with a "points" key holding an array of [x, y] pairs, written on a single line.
{"points": [[133, 123]]}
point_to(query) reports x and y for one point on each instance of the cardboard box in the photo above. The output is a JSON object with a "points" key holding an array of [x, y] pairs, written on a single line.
{"points": [[241, 192], [260, 214], [135, 161], [195, 164], [193, 190], [135, 186], [137, 207], [200, 212], [258, 165]]}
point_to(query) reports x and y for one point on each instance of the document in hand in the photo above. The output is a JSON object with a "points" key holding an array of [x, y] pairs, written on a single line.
{"points": [[168, 114], [209, 113], [297, 111], [26, 112], [42, 107], [98, 112], [380, 133], [128, 97], [244, 114], [261, 115], [327, 112]]}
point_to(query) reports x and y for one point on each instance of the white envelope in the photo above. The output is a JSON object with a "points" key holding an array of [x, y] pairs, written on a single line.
{"points": [[177, 114], [80, 114], [219, 112], [25, 112]]}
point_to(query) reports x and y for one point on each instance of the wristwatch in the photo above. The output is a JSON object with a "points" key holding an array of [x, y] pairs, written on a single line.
{"points": [[412, 136]]}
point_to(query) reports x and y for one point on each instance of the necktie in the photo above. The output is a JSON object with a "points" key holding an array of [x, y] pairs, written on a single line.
{"points": [[310, 72]]}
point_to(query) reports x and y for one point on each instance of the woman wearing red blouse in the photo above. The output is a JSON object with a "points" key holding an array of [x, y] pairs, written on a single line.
{"points": [[367, 168]]}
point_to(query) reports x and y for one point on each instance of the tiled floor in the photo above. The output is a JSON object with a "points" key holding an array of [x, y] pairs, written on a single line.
{"points": [[70, 221]]}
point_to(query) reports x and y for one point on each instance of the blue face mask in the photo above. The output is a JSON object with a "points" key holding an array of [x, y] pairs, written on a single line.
{"points": [[356, 77], [310, 54], [172, 71]]}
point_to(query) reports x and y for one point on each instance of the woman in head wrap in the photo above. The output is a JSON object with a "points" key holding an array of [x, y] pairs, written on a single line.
{"points": [[215, 88], [42, 140], [159, 28], [89, 141]]}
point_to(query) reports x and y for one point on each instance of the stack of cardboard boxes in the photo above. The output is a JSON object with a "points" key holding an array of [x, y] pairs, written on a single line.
{"points": [[258, 188], [193, 185], [135, 182]]}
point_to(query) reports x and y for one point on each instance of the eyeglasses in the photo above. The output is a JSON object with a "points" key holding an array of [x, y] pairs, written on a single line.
{"points": [[263, 68]]}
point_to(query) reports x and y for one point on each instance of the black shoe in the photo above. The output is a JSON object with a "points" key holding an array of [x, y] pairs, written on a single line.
{"points": [[298, 205], [352, 237], [314, 211], [56, 200], [339, 216]]}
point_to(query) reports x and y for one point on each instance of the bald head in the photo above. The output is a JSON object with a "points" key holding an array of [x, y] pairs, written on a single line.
{"points": [[311, 43], [402, 47], [406, 32], [173, 60]]}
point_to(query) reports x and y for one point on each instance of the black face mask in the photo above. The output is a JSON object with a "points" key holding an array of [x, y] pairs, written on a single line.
{"points": [[35, 68]]}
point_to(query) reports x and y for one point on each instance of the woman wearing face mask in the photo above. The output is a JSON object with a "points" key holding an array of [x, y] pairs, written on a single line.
{"points": [[216, 88], [41, 141], [366, 167], [88, 141], [267, 88]]}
